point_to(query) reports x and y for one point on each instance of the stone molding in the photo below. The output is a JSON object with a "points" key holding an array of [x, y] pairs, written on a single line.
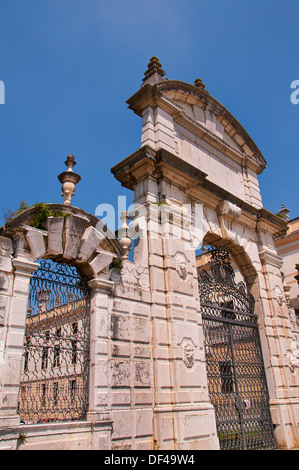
{"points": [[270, 257], [24, 266], [161, 164], [101, 285]]}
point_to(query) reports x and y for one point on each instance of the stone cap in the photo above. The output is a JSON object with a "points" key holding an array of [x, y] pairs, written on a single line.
{"points": [[154, 72]]}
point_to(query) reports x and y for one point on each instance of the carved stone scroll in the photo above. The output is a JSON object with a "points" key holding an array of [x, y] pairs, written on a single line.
{"points": [[227, 213]]}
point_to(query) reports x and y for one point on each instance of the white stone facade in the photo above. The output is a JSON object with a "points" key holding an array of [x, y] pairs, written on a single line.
{"points": [[148, 381]]}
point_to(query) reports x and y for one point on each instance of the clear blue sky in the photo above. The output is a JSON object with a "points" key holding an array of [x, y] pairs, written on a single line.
{"points": [[70, 65]]}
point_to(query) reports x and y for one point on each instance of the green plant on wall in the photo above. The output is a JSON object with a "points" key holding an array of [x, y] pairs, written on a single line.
{"points": [[42, 212], [10, 214], [118, 264]]}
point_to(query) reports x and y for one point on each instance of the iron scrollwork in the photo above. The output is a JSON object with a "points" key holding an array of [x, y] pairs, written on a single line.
{"points": [[219, 289], [235, 369]]}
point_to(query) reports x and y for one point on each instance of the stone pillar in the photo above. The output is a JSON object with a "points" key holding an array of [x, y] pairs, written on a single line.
{"points": [[183, 415], [283, 380], [15, 278], [6, 287], [98, 374]]}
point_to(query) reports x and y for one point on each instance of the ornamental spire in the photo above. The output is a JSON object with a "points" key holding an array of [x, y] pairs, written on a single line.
{"points": [[284, 212], [69, 179], [154, 73], [199, 83]]}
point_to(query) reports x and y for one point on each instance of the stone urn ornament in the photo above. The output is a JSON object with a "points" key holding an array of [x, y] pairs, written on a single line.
{"points": [[69, 179]]}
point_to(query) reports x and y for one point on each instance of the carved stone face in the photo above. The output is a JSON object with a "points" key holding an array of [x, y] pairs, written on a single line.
{"points": [[181, 266], [188, 355]]}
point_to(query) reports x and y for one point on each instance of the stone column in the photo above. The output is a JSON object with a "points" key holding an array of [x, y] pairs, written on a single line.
{"points": [[183, 415], [6, 287], [98, 374], [15, 278]]}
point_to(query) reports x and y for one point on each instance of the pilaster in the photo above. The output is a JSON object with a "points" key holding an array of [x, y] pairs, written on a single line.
{"points": [[14, 293], [101, 290]]}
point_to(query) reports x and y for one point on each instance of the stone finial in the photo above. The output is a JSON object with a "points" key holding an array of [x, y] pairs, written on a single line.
{"points": [[284, 212], [199, 83], [154, 73], [123, 234], [69, 179]]}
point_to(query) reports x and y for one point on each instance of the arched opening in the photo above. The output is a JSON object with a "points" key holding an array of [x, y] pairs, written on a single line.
{"points": [[235, 367], [55, 372]]}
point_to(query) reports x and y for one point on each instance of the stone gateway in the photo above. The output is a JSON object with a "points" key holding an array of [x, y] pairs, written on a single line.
{"points": [[152, 353]]}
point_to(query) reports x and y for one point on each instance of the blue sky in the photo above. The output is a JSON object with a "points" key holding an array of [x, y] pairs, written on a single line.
{"points": [[70, 65]]}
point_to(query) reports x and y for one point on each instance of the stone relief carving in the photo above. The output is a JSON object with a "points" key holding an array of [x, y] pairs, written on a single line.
{"points": [[188, 354], [3, 307], [5, 246], [279, 295], [136, 276], [181, 265], [227, 213], [293, 356], [130, 275]]}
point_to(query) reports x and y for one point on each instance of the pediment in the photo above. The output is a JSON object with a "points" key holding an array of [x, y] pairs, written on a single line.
{"points": [[205, 118], [186, 102], [201, 108]]}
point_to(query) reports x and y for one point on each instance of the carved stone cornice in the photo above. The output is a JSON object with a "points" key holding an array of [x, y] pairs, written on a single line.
{"points": [[24, 266], [270, 257], [101, 285], [146, 162]]}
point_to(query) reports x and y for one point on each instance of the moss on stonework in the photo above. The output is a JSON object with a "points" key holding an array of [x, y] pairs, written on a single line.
{"points": [[116, 264], [41, 214]]}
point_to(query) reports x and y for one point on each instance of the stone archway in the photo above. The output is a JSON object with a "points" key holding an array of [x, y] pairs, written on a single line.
{"points": [[67, 234], [55, 373], [69, 237], [235, 367]]}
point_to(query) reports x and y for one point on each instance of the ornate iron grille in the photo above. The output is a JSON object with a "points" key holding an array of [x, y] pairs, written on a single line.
{"points": [[235, 368], [54, 382]]}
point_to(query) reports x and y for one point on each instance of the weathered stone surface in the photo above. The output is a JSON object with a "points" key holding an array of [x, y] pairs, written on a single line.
{"points": [[55, 231], [36, 241], [101, 261], [73, 231], [5, 254], [89, 243], [3, 308]]}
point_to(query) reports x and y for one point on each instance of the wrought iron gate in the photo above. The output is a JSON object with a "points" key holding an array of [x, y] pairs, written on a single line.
{"points": [[54, 382], [235, 368]]}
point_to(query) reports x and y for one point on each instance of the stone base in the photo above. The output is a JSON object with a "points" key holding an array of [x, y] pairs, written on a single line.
{"points": [[186, 428], [79, 435]]}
